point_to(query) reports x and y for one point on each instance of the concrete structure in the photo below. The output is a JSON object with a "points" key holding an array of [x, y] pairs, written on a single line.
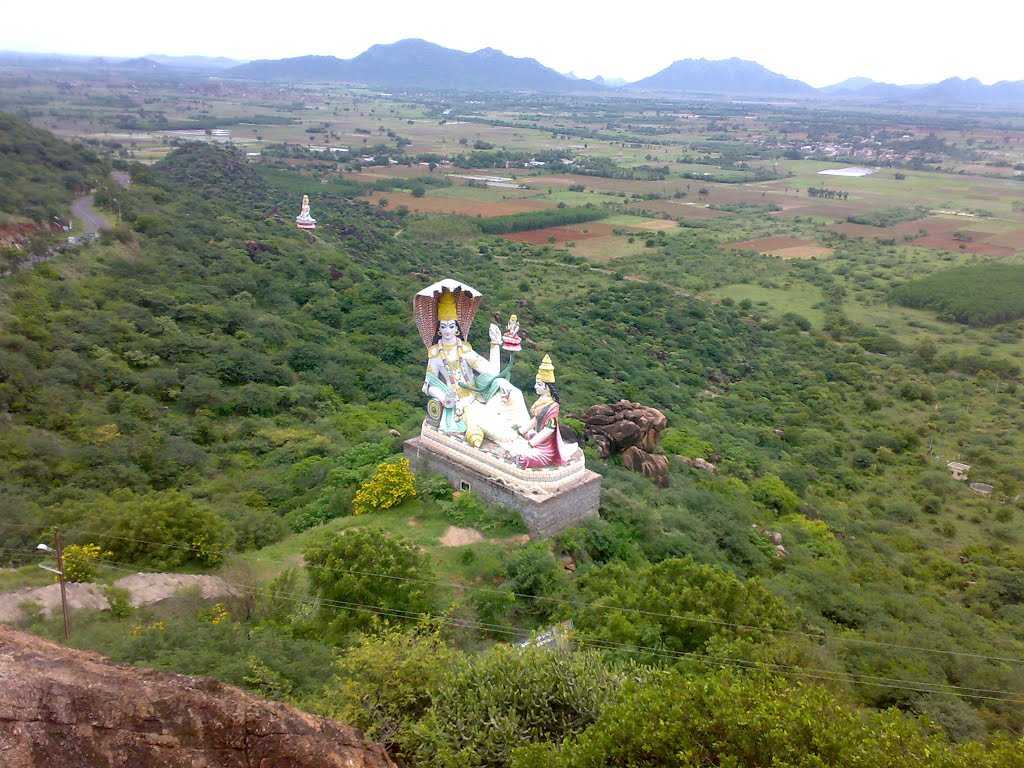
{"points": [[958, 470], [982, 489], [549, 501]]}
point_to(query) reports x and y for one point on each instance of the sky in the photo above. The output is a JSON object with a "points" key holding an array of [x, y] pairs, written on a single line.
{"points": [[820, 42]]}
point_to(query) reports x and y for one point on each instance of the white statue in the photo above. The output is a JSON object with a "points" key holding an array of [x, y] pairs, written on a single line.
{"points": [[304, 220], [477, 400]]}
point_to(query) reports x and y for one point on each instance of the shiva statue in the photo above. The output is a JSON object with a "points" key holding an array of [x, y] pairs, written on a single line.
{"points": [[545, 446], [471, 394]]}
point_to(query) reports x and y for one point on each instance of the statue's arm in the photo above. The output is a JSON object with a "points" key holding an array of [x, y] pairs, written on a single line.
{"points": [[434, 391], [543, 436]]}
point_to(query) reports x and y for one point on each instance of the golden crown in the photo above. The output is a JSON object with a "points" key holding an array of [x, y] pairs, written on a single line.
{"points": [[446, 309], [546, 371]]}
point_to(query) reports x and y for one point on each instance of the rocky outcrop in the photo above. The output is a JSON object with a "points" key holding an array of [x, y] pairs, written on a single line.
{"points": [[632, 430], [68, 708]]}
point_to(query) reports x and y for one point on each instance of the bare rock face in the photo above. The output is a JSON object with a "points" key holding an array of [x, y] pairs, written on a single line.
{"points": [[68, 708], [633, 430]]}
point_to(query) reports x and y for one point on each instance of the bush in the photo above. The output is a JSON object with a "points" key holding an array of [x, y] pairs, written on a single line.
{"points": [[365, 577], [160, 529], [384, 683], [730, 719], [488, 705], [80, 561], [773, 494], [678, 441], [627, 605], [391, 484]]}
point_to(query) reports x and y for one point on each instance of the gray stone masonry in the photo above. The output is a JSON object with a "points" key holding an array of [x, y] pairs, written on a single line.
{"points": [[543, 518]]}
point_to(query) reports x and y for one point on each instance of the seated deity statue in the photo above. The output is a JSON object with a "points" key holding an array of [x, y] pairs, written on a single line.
{"points": [[544, 444], [477, 399]]}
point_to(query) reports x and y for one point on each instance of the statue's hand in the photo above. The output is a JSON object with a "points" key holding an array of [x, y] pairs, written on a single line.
{"points": [[494, 332]]}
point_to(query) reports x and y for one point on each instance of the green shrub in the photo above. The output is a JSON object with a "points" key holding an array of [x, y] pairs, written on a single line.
{"points": [[366, 577]]}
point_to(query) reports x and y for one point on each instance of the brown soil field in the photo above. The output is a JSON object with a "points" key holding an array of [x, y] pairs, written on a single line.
{"points": [[561, 234], [802, 252], [783, 247], [1013, 239], [946, 242], [461, 207]]}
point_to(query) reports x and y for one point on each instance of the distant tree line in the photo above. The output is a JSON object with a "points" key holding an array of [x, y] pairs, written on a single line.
{"points": [[556, 217]]}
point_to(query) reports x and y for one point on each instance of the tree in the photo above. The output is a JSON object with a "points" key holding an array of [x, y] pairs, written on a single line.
{"points": [[366, 577], [731, 719], [676, 606], [487, 705], [384, 685]]}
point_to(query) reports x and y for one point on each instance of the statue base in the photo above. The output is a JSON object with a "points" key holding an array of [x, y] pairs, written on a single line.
{"points": [[549, 499]]}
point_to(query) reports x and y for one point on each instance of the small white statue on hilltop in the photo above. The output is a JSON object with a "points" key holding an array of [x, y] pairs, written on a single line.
{"points": [[304, 220]]}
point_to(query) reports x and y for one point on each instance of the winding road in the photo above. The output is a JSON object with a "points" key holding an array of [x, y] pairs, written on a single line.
{"points": [[83, 208]]}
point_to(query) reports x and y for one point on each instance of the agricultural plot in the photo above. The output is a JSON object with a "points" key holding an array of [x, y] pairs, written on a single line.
{"points": [[783, 247]]}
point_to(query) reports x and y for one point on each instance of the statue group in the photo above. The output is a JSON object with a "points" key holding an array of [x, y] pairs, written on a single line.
{"points": [[472, 397]]}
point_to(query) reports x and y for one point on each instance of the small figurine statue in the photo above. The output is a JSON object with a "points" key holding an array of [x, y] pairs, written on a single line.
{"points": [[304, 220], [545, 444], [510, 340]]}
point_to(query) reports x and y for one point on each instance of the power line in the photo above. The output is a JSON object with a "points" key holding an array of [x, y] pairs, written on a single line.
{"points": [[638, 611], [918, 686]]}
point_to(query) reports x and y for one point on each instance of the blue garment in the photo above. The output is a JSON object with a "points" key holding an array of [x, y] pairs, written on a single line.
{"points": [[450, 422]]}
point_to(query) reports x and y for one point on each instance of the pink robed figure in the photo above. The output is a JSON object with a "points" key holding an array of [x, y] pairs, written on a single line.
{"points": [[545, 444]]}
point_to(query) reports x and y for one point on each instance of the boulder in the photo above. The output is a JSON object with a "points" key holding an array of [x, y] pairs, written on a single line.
{"points": [[73, 709], [632, 430]]}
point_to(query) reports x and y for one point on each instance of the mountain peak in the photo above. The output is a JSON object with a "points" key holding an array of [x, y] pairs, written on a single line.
{"points": [[734, 75]]}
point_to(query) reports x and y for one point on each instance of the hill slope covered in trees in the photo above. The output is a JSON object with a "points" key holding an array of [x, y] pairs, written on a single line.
{"points": [[209, 381]]}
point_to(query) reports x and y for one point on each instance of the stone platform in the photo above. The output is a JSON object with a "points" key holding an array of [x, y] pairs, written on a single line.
{"points": [[549, 499]]}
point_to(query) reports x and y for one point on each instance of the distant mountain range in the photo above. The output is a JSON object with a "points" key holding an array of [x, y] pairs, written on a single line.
{"points": [[421, 65]]}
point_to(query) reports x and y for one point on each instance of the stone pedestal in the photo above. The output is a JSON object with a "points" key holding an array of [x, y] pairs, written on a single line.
{"points": [[549, 499]]}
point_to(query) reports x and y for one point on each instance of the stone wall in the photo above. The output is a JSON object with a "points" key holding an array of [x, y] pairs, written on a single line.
{"points": [[544, 516]]}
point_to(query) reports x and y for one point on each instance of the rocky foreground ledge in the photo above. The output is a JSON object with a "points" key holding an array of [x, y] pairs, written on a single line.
{"points": [[73, 709]]}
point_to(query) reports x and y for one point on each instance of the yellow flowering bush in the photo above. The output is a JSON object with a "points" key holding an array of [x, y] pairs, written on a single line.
{"points": [[80, 561], [391, 484]]}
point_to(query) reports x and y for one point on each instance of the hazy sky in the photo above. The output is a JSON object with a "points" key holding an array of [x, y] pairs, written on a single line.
{"points": [[820, 42]]}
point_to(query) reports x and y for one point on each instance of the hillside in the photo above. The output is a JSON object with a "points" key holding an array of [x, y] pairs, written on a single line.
{"points": [[208, 388], [39, 174], [419, 64], [724, 76]]}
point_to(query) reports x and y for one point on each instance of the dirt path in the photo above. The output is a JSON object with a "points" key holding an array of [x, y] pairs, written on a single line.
{"points": [[143, 589]]}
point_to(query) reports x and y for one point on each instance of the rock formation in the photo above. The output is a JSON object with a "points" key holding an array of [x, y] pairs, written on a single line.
{"points": [[633, 430], [73, 709]]}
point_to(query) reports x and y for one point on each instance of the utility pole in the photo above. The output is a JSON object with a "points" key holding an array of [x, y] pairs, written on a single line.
{"points": [[59, 570]]}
